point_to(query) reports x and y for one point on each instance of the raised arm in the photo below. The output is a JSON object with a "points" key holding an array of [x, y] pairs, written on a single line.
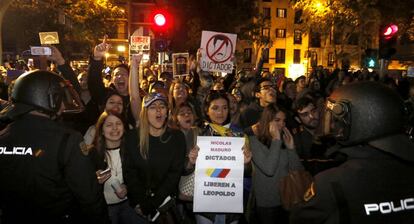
{"points": [[134, 86], [95, 83], [64, 68]]}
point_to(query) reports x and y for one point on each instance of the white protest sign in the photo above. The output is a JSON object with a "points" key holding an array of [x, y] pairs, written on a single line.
{"points": [[218, 51], [139, 44], [218, 183], [181, 65]]}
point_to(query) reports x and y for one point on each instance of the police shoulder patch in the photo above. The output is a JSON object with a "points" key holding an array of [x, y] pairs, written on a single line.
{"points": [[310, 192], [84, 148]]}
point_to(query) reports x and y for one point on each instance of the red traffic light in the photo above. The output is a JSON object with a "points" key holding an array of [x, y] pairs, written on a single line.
{"points": [[159, 19], [389, 31]]}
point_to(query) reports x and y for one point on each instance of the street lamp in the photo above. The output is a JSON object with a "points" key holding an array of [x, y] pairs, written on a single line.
{"points": [[319, 9], [121, 48]]}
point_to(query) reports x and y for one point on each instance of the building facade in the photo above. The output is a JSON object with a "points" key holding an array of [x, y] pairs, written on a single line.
{"points": [[295, 53]]}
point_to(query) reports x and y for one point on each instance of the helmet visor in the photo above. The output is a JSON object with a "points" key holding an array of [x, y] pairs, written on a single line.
{"points": [[337, 120]]}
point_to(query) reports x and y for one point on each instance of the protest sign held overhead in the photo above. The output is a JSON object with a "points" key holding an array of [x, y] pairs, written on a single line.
{"points": [[181, 66], [139, 44], [217, 51], [219, 175], [49, 38]]}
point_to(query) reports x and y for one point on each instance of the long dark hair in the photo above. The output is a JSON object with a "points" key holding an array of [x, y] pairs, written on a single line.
{"points": [[268, 115], [173, 123], [99, 140], [215, 95]]}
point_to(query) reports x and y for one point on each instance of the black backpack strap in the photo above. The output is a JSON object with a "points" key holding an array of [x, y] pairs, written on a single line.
{"points": [[341, 202]]}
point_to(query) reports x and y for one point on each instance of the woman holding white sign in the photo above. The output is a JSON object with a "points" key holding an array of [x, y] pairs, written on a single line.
{"points": [[218, 124], [273, 155]]}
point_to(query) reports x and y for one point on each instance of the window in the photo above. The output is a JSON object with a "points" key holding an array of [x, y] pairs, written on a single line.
{"points": [[280, 55], [297, 37], [266, 32], [331, 59], [247, 55], [314, 59], [296, 56], [266, 55], [281, 13], [298, 17], [266, 13], [280, 33], [315, 39]]}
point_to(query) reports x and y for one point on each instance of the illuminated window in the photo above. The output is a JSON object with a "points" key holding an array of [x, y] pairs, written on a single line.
{"points": [[331, 59], [297, 37], [281, 13], [266, 32], [281, 33]]}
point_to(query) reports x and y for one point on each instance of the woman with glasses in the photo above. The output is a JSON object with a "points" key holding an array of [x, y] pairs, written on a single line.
{"points": [[155, 155], [274, 154], [217, 123]]}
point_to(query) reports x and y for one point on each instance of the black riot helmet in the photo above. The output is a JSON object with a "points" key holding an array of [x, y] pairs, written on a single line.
{"points": [[45, 91], [368, 113]]}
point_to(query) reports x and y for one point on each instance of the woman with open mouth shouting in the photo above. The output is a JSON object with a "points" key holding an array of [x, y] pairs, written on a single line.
{"points": [[155, 159]]}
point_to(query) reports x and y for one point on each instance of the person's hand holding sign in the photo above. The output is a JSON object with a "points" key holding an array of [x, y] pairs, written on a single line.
{"points": [[192, 155], [247, 153], [100, 49], [56, 56]]}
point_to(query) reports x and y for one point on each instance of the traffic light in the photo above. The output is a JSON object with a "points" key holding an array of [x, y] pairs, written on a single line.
{"points": [[161, 25], [371, 58], [160, 20], [387, 41]]}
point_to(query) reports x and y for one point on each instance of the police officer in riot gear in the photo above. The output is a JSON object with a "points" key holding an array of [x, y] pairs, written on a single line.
{"points": [[376, 183], [46, 176]]}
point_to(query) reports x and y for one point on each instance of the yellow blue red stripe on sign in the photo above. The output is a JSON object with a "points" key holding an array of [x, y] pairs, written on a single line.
{"points": [[218, 172]]}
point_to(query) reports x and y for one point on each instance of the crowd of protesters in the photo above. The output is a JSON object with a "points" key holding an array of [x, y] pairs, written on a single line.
{"points": [[145, 129]]}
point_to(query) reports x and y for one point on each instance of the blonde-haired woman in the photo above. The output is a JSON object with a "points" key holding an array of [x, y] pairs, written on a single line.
{"points": [[155, 159]]}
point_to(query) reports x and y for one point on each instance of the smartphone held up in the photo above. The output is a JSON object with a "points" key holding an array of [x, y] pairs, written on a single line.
{"points": [[40, 50]]}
